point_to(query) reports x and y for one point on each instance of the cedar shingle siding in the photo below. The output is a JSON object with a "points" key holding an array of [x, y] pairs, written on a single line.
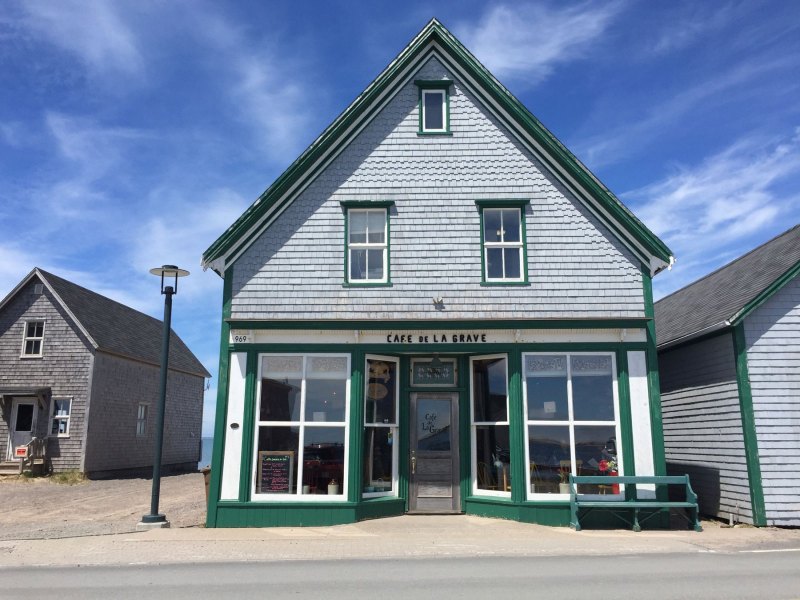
{"points": [[577, 267]]}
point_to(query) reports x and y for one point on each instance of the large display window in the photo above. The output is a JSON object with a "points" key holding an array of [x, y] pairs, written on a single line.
{"points": [[572, 421], [302, 427]]}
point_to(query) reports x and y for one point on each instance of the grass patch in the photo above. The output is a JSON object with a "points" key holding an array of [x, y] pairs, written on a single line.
{"points": [[68, 477]]}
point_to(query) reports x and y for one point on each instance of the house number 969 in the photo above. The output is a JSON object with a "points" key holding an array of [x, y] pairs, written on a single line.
{"points": [[240, 339]]}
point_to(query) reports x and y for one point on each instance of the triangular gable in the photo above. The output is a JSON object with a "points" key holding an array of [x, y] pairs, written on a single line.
{"points": [[435, 40]]}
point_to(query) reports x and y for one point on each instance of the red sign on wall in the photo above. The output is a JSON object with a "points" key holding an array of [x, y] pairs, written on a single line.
{"points": [[21, 451]]}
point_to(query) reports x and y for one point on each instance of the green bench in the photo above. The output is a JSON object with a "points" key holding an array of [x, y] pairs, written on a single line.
{"points": [[628, 501]]}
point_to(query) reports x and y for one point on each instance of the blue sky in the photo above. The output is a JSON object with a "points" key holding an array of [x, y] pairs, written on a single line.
{"points": [[133, 133]]}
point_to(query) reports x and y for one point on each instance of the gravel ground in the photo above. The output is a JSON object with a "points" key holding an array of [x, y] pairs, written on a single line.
{"points": [[40, 509]]}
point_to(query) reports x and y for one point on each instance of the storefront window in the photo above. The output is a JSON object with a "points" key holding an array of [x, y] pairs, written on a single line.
{"points": [[572, 419], [491, 466], [302, 426], [380, 426]]}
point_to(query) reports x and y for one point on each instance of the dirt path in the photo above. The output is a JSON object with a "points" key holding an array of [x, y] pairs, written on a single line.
{"points": [[40, 509]]}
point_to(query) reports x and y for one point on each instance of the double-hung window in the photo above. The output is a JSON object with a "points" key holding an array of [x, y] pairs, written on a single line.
{"points": [[141, 419], [60, 417], [380, 426], [503, 241], [367, 242], [33, 338], [434, 106], [491, 458], [572, 415], [301, 432]]}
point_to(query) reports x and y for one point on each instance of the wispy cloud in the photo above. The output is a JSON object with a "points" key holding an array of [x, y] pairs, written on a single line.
{"points": [[708, 212], [92, 31], [692, 23], [528, 41]]}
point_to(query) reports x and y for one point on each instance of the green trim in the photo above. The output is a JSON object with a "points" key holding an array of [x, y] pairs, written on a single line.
{"points": [[356, 425], [517, 426], [653, 384], [361, 110], [437, 325], [766, 294], [500, 204], [625, 417], [434, 133], [749, 427], [384, 205], [222, 403], [366, 203], [442, 85]]}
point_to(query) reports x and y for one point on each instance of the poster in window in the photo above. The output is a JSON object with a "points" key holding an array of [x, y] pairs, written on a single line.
{"points": [[275, 472]]}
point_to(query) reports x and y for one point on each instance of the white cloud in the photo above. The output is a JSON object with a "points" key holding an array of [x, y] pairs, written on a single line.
{"points": [[528, 41], [93, 31], [707, 213]]}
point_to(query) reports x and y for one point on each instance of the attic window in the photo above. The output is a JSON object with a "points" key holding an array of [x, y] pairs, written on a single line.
{"points": [[434, 106], [33, 338]]}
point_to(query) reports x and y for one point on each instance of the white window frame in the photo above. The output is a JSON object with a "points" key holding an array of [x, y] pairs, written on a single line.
{"points": [[570, 422], [503, 244], [443, 94], [54, 417], [367, 245], [394, 427], [474, 425], [26, 338], [302, 424], [141, 420]]}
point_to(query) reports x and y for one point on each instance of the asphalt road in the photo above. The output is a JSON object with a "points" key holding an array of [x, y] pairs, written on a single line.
{"points": [[699, 576]]}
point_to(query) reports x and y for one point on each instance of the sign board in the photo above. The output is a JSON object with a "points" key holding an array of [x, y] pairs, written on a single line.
{"points": [[275, 472], [21, 452]]}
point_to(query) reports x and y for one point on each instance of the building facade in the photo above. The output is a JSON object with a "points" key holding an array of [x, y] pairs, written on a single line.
{"points": [[436, 308], [729, 356], [80, 373]]}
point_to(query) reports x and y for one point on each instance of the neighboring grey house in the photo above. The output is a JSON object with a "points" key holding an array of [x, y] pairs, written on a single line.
{"points": [[435, 308], [729, 359], [81, 372]]}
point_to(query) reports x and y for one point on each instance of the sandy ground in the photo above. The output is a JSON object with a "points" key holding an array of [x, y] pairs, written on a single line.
{"points": [[40, 509]]}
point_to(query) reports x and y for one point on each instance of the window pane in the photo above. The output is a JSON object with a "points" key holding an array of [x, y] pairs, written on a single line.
{"points": [[434, 114], [62, 408], [596, 453], [493, 459], [511, 225], [492, 225], [378, 459], [325, 400], [550, 464], [327, 367], [277, 473], [358, 264], [33, 347], [280, 399], [433, 424], [489, 387], [377, 226], [357, 226], [375, 265], [592, 388], [323, 460], [512, 262], [546, 387], [379, 398], [494, 263]]}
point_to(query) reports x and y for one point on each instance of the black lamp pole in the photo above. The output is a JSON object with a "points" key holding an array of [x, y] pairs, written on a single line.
{"points": [[156, 519]]}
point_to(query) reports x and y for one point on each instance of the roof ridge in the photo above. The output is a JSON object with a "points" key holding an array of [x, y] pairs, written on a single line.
{"points": [[728, 264]]}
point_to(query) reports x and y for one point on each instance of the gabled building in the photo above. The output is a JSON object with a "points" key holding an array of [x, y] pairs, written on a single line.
{"points": [[79, 375], [435, 308], [729, 356]]}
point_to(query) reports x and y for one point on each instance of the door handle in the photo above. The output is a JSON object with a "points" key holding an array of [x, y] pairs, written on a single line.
{"points": [[413, 463]]}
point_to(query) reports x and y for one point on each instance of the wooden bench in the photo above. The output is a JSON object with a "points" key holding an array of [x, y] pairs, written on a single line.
{"points": [[629, 501]]}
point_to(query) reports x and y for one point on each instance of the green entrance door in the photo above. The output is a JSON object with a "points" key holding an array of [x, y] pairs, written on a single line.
{"points": [[433, 468]]}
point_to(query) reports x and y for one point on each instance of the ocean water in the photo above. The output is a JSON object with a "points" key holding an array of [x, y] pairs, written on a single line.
{"points": [[205, 455]]}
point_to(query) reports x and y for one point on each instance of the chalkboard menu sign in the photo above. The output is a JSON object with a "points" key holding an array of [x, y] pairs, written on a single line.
{"points": [[275, 472], [424, 372]]}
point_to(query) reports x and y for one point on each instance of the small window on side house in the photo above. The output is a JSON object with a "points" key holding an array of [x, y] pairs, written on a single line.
{"points": [[503, 243], [62, 407], [434, 106], [33, 338], [141, 420]]}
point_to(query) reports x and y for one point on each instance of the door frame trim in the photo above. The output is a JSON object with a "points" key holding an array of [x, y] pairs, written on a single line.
{"points": [[12, 429]]}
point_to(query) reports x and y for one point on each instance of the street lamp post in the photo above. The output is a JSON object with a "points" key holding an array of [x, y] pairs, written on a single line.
{"points": [[167, 274]]}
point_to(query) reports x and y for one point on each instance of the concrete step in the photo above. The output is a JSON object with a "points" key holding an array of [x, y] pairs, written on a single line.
{"points": [[9, 468]]}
